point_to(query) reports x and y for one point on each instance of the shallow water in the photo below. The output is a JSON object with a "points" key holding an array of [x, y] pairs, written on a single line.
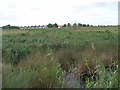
{"points": [[71, 81]]}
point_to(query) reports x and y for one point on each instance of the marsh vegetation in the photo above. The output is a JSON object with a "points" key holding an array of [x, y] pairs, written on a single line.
{"points": [[60, 57]]}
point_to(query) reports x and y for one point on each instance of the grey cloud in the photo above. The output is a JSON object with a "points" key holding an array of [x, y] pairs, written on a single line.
{"points": [[103, 4], [33, 8], [100, 4], [8, 17], [79, 8], [88, 7], [12, 6], [4, 20]]}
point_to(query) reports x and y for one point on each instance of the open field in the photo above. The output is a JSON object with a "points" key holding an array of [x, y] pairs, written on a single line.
{"points": [[84, 57]]}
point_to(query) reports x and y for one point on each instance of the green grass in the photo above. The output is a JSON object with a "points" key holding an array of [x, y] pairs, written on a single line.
{"points": [[37, 71], [24, 43], [40, 57], [108, 78], [18, 79]]}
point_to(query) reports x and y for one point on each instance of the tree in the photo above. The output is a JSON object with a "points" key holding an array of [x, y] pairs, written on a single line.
{"points": [[74, 25], [88, 25], [35, 26], [64, 25], [84, 25], [10, 27], [79, 24], [49, 25], [55, 25], [69, 25]]}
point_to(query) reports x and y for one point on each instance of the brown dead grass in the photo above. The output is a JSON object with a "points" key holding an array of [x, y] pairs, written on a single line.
{"points": [[85, 60], [34, 61], [17, 31]]}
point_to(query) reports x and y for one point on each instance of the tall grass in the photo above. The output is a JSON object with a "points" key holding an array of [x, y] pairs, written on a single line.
{"points": [[19, 79], [107, 78], [41, 57], [47, 70]]}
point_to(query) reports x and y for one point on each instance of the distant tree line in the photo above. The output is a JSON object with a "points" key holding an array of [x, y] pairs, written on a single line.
{"points": [[10, 27], [81, 25], [68, 25], [55, 25], [52, 25]]}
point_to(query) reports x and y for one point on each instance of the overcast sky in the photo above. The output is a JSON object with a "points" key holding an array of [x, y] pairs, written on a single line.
{"points": [[42, 12]]}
